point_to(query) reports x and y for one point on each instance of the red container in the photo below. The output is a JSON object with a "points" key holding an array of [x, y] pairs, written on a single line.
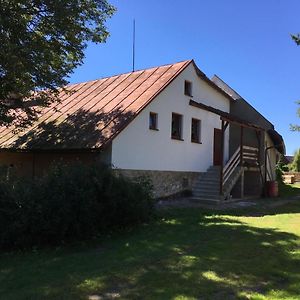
{"points": [[272, 188]]}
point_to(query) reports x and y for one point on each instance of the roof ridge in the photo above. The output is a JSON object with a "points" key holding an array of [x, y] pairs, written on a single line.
{"points": [[139, 70]]}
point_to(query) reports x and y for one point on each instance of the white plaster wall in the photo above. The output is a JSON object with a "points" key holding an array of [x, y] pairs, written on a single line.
{"points": [[138, 147]]}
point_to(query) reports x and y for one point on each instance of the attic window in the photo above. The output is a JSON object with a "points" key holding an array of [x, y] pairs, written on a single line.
{"points": [[176, 132], [153, 121], [188, 88]]}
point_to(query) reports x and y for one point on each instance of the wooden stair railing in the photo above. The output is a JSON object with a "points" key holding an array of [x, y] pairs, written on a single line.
{"points": [[231, 165], [242, 156]]}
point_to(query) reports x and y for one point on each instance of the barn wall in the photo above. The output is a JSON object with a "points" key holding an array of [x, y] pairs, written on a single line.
{"points": [[36, 164]]}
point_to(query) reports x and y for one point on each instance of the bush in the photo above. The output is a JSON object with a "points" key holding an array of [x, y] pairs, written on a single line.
{"points": [[281, 167], [295, 165], [71, 202]]}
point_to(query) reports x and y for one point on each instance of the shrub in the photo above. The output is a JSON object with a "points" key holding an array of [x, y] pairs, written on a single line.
{"points": [[71, 202], [295, 165], [281, 167]]}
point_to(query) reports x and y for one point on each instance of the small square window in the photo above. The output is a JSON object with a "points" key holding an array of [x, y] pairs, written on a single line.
{"points": [[188, 88], [153, 121], [195, 131], [176, 132]]}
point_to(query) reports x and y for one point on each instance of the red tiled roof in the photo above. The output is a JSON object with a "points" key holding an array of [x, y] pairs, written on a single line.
{"points": [[94, 113]]}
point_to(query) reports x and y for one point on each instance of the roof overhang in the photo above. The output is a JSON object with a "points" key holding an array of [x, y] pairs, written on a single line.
{"points": [[211, 83], [277, 140], [226, 116]]}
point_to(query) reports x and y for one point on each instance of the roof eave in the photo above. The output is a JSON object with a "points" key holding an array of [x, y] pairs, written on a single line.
{"points": [[210, 82], [277, 140]]}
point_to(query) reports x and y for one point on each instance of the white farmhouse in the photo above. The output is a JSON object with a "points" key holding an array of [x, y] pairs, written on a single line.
{"points": [[170, 123]]}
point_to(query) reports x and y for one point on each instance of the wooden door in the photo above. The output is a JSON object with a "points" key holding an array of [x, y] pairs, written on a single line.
{"points": [[217, 147]]}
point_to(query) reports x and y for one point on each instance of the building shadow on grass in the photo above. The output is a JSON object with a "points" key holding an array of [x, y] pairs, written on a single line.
{"points": [[268, 206], [186, 254]]}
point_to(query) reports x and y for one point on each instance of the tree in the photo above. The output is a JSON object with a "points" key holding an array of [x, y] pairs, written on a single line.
{"points": [[295, 165], [281, 167], [296, 127], [42, 41], [296, 38]]}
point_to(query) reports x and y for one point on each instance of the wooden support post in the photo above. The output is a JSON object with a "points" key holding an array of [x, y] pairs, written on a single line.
{"points": [[242, 163], [242, 144], [258, 135], [259, 158], [33, 164], [242, 184], [226, 125], [222, 156]]}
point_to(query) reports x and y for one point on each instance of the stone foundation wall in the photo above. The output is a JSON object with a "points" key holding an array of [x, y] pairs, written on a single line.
{"points": [[165, 183]]}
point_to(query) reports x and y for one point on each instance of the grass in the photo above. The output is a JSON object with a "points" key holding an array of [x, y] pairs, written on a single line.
{"points": [[184, 254], [289, 190]]}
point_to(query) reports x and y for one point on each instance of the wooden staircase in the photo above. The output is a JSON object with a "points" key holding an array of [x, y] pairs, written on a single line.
{"points": [[216, 184]]}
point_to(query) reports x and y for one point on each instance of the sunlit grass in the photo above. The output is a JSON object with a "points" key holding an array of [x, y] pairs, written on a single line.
{"points": [[251, 253]]}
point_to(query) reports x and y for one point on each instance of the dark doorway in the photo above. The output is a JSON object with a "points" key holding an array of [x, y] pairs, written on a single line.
{"points": [[217, 147]]}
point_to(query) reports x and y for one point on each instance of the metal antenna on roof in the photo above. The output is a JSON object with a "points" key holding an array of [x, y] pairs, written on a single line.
{"points": [[133, 46]]}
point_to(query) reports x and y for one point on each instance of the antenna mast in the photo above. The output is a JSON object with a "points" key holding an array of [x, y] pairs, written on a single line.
{"points": [[133, 47]]}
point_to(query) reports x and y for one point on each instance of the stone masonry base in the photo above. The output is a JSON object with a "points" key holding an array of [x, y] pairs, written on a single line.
{"points": [[165, 183]]}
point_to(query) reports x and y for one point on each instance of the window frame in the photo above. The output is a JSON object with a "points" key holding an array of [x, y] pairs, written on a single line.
{"points": [[199, 123], [155, 115], [178, 136], [188, 88]]}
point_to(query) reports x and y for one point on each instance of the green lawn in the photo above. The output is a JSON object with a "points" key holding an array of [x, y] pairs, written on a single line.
{"points": [[288, 190], [185, 254]]}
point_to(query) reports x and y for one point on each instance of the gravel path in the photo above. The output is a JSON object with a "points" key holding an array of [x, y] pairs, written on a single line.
{"points": [[190, 202]]}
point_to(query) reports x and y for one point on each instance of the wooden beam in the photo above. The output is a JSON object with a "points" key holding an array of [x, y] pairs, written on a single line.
{"points": [[258, 136], [241, 123], [242, 144], [33, 165], [242, 184], [242, 162], [223, 128], [226, 125], [225, 116]]}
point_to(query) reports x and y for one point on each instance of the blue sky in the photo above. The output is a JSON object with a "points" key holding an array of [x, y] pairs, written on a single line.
{"points": [[246, 43]]}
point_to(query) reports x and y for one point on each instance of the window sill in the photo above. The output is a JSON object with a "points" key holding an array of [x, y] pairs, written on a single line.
{"points": [[196, 142], [191, 96], [177, 138], [155, 129]]}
